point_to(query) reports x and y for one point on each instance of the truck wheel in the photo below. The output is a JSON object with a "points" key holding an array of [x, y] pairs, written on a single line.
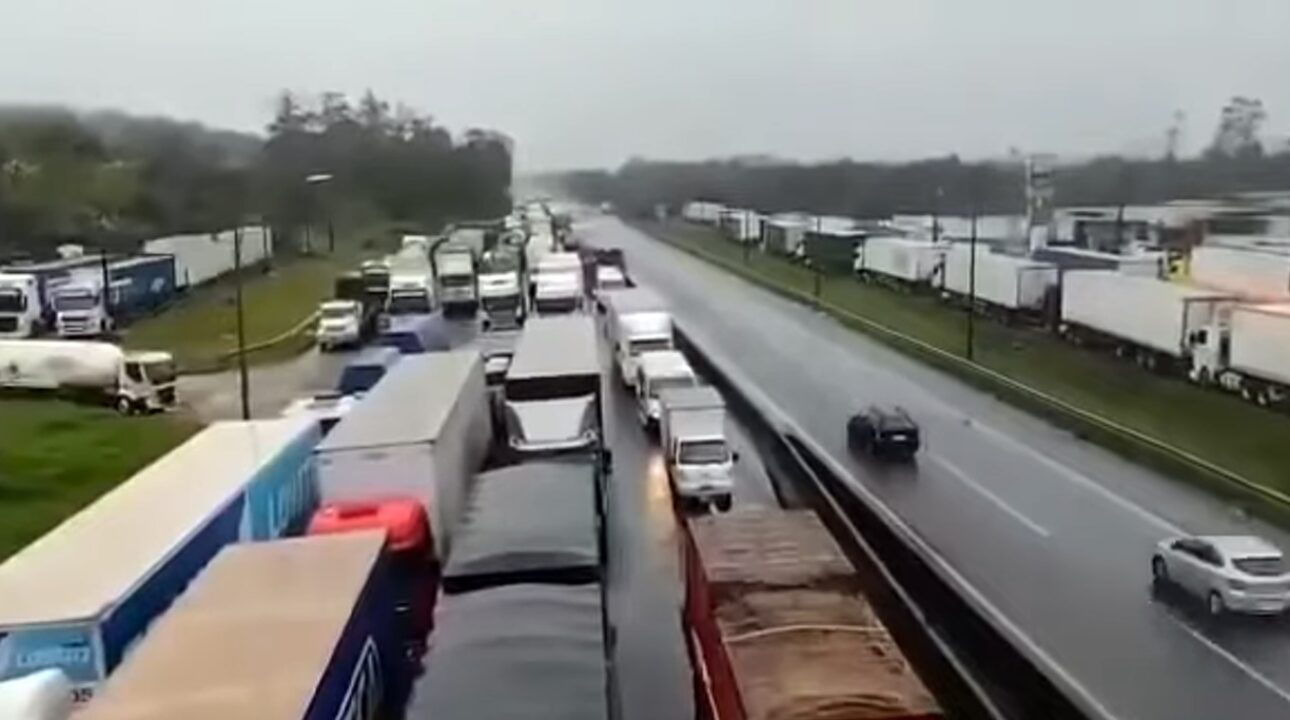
{"points": [[124, 406], [723, 503]]}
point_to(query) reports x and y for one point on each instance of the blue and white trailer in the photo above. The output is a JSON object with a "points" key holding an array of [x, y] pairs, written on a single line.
{"points": [[78, 597], [299, 629]]}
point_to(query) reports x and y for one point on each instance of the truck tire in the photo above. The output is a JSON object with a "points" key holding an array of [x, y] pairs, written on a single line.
{"points": [[724, 502], [124, 405]]}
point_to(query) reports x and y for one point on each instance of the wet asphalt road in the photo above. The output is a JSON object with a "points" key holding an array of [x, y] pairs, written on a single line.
{"points": [[1051, 533]]}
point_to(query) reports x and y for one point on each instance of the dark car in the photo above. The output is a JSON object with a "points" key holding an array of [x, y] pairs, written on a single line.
{"points": [[888, 433]]}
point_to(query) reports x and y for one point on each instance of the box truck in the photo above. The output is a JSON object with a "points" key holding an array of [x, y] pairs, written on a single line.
{"points": [[78, 597], [636, 333], [905, 261], [1153, 321], [501, 289], [1006, 283], [656, 371], [131, 382], [298, 629], [692, 431], [454, 268], [552, 395], [1250, 355], [1253, 275], [422, 432], [22, 307]]}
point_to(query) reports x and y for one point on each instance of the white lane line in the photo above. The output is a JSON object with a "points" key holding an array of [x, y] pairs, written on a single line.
{"points": [[1227, 655], [966, 479], [1083, 480]]}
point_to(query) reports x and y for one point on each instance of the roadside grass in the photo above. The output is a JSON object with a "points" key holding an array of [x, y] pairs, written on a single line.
{"points": [[1217, 427], [201, 329], [56, 457]]}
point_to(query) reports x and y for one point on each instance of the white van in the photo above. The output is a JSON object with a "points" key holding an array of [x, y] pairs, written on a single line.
{"points": [[656, 371]]}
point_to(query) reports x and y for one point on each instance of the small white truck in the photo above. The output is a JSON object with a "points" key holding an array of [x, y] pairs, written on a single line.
{"points": [[131, 382], [340, 324], [455, 280], [692, 431], [656, 371], [635, 333]]}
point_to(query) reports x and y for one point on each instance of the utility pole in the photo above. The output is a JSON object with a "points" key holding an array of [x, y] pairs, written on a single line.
{"points": [[244, 381], [971, 304], [107, 285]]}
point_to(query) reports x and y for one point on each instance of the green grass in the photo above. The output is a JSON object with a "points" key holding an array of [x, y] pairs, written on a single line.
{"points": [[56, 457], [1220, 428], [201, 329]]}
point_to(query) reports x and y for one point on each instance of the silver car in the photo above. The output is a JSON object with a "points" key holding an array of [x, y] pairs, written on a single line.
{"points": [[1229, 572]]}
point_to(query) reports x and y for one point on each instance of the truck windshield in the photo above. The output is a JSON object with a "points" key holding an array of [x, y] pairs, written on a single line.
{"points": [[75, 301], [648, 344], [456, 281], [410, 304], [160, 372], [703, 452], [336, 313], [12, 301]]}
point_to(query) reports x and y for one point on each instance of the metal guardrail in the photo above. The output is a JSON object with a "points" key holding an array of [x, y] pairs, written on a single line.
{"points": [[1178, 455]]}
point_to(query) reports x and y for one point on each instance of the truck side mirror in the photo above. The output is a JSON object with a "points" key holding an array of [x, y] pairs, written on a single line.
{"points": [[607, 461], [734, 456]]}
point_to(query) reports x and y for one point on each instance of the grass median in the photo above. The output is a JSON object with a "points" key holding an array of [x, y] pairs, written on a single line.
{"points": [[201, 329], [57, 457], [1218, 428]]}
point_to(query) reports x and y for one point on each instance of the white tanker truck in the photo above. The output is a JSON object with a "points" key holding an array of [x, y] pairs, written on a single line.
{"points": [[132, 382]]}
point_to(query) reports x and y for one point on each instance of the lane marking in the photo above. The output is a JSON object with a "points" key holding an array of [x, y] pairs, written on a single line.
{"points": [[1227, 655], [968, 480], [1083, 480]]}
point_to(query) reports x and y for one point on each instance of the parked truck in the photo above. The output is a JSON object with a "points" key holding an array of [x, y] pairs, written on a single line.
{"points": [[202, 257], [425, 449], [131, 382], [22, 307], [657, 371], [454, 267], [77, 598], [138, 285], [1157, 323], [411, 293], [635, 333], [501, 289], [901, 260], [692, 432], [1254, 275], [299, 629], [1250, 356], [1004, 283], [558, 287]]}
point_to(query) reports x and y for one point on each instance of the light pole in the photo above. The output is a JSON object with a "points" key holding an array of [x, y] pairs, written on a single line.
{"points": [[316, 180], [971, 304], [244, 382]]}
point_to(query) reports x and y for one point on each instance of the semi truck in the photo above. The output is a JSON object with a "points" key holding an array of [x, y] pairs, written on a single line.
{"points": [[1148, 264], [1250, 356], [299, 629], [780, 626], [1003, 282], [903, 260], [558, 284], [656, 371], [454, 267], [635, 333], [411, 293], [132, 382], [1256, 276], [137, 285], [427, 448], [1157, 323], [501, 288], [77, 598], [692, 432], [22, 306]]}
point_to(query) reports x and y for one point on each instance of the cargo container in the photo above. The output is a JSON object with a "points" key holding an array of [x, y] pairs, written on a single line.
{"points": [[78, 597], [537, 522], [298, 629], [531, 652], [1250, 356], [906, 261], [740, 225], [414, 567], [699, 211], [1154, 321], [1252, 275], [783, 234], [1006, 282], [202, 257], [422, 432], [1142, 264], [832, 248], [779, 626]]}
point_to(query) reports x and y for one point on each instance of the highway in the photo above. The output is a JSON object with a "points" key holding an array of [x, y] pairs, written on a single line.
{"points": [[1053, 534]]}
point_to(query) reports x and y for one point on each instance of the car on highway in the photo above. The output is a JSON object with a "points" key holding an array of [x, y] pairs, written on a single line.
{"points": [[1231, 573], [340, 324], [884, 433]]}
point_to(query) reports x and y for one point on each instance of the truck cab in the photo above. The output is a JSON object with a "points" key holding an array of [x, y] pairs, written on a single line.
{"points": [[501, 295], [656, 371], [557, 293], [79, 309], [146, 383], [20, 305], [637, 333], [696, 451], [409, 295], [455, 280]]}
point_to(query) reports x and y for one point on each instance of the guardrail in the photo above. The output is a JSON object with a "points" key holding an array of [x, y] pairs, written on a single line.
{"points": [[977, 664], [1231, 480]]}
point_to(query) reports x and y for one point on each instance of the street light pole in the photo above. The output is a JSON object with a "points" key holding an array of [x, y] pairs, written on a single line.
{"points": [[243, 379], [971, 304]]}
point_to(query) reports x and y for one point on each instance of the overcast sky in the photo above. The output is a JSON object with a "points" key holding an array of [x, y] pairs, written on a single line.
{"points": [[582, 83]]}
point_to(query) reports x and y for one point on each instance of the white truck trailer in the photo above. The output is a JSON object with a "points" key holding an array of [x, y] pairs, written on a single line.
{"points": [[692, 431], [1004, 282], [1250, 356], [131, 382], [202, 257], [1157, 323], [77, 598], [421, 432], [1254, 275], [906, 261], [21, 306]]}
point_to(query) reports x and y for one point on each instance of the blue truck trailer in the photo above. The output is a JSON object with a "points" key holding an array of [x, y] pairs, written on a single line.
{"points": [[78, 597], [138, 285], [298, 629]]}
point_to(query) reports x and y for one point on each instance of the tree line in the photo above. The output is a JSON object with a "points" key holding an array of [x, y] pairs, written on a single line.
{"points": [[110, 179], [1235, 161]]}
